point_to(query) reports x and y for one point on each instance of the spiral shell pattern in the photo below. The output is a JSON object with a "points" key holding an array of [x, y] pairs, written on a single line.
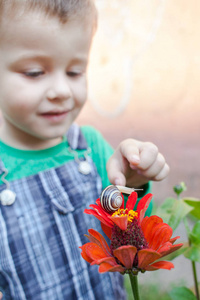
{"points": [[111, 198]]}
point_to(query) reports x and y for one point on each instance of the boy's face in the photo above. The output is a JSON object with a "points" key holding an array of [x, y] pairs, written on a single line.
{"points": [[42, 78]]}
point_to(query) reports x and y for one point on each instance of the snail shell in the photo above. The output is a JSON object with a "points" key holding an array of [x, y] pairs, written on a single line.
{"points": [[111, 198]]}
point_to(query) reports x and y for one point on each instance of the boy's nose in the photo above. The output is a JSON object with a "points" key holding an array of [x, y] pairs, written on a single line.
{"points": [[59, 89]]}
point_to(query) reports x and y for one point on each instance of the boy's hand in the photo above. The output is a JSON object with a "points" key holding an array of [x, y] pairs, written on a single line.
{"points": [[134, 163]]}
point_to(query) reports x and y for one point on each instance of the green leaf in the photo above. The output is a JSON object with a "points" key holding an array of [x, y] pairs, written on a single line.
{"points": [[193, 253], [172, 211], [182, 293], [168, 204], [164, 211], [195, 204], [194, 236], [179, 211]]}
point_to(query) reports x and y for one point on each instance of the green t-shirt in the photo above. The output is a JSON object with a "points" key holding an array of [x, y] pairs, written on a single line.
{"points": [[23, 163]]}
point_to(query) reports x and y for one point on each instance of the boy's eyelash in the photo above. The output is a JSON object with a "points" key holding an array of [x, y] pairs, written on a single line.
{"points": [[33, 73], [73, 74]]}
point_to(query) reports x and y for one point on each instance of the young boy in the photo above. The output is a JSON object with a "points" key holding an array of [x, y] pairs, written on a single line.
{"points": [[51, 170]]}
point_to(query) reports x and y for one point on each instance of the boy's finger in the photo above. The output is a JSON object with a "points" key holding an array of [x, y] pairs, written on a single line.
{"points": [[115, 174], [130, 151], [148, 155], [155, 168], [163, 173]]}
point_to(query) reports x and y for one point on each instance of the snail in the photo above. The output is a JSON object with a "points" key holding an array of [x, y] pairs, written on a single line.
{"points": [[111, 198]]}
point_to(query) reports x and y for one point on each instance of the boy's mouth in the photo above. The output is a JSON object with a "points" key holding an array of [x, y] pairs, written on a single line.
{"points": [[55, 115]]}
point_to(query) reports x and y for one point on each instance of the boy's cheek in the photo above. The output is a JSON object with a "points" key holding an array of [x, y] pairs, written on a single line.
{"points": [[81, 96]]}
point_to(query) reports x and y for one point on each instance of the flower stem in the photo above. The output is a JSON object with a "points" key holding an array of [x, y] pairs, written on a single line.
{"points": [[193, 262], [195, 280], [134, 285]]}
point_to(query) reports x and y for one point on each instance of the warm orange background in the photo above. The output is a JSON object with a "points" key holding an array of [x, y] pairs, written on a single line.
{"points": [[148, 53], [161, 39]]}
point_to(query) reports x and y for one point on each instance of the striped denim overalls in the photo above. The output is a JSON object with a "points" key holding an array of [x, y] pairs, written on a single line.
{"points": [[41, 232]]}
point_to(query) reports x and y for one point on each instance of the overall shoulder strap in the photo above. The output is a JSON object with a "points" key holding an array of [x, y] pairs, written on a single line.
{"points": [[76, 138], [2, 167]]}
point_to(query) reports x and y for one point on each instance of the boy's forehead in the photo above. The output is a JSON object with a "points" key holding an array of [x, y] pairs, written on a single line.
{"points": [[33, 19], [64, 10], [45, 37]]}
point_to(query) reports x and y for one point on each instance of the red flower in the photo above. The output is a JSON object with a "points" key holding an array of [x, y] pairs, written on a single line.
{"points": [[137, 243], [157, 236], [122, 216]]}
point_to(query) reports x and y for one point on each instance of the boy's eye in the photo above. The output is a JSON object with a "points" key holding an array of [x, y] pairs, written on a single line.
{"points": [[73, 74], [33, 74]]}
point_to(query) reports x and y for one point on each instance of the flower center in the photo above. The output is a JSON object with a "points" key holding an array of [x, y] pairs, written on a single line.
{"points": [[124, 212], [133, 236]]}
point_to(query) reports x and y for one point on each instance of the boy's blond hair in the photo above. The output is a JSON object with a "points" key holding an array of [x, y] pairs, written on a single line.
{"points": [[64, 10]]}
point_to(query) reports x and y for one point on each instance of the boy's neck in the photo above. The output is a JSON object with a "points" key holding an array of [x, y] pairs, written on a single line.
{"points": [[25, 142]]}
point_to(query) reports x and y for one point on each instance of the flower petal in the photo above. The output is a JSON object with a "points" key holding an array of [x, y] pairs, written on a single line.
{"points": [[109, 260], [146, 257], [126, 255], [84, 255], [132, 199], [173, 240], [93, 251], [106, 267], [143, 205], [120, 221], [167, 265], [160, 235], [95, 237], [164, 248], [98, 213], [107, 230], [169, 248], [148, 226]]}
